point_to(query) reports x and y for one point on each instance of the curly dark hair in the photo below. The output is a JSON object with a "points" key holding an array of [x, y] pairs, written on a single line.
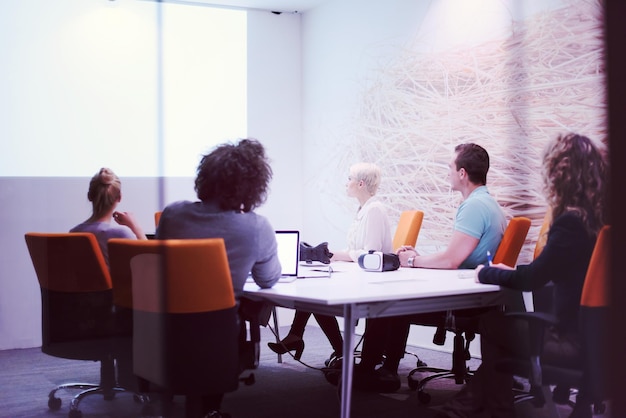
{"points": [[236, 176], [475, 160], [574, 173]]}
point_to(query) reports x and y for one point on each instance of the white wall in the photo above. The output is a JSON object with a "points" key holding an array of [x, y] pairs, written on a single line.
{"points": [[400, 83], [274, 109], [344, 44], [27, 111]]}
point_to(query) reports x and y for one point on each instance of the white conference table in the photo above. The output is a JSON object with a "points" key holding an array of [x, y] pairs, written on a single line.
{"points": [[353, 293]]}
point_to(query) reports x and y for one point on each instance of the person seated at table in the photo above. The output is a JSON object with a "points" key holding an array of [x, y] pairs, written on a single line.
{"points": [[232, 180], [574, 173], [105, 193], [478, 228], [370, 230]]}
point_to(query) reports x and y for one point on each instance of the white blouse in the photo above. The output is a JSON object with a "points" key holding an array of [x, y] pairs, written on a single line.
{"points": [[370, 230]]}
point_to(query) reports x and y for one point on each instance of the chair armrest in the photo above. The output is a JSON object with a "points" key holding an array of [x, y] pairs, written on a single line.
{"points": [[537, 324], [538, 317]]}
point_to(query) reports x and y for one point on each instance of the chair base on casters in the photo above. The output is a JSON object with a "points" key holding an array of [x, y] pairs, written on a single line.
{"points": [[419, 385], [108, 388], [561, 395], [54, 403], [459, 372]]}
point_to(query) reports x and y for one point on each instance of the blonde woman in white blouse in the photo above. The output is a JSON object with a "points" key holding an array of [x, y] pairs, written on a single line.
{"points": [[370, 230]]}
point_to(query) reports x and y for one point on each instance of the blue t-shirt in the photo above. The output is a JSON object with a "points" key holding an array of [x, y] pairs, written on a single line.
{"points": [[481, 217]]}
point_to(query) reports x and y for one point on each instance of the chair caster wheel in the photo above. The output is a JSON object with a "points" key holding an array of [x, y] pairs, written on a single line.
{"points": [[147, 411], [560, 395], [141, 398], [599, 409], [54, 404], [250, 380], [75, 413], [423, 397]]}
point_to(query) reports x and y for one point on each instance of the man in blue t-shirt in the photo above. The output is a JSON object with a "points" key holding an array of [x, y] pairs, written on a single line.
{"points": [[479, 223], [478, 229]]}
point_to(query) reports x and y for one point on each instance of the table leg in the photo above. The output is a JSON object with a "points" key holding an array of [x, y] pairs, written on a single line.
{"points": [[348, 360], [274, 314]]}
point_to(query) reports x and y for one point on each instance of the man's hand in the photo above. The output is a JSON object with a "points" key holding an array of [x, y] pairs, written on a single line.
{"points": [[404, 253]]}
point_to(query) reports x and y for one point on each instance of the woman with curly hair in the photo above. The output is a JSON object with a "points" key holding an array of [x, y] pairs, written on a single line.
{"points": [[574, 173], [232, 181]]}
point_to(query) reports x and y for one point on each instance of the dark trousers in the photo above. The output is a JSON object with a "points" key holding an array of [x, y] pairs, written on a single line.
{"points": [[328, 324], [387, 337]]}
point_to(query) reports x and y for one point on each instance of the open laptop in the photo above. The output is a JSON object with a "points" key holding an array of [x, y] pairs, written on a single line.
{"points": [[288, 249], [288, 253]]}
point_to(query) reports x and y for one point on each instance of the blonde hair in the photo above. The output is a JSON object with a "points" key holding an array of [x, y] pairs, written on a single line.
{"points": [[105, 190], [369, 173], [574, 179]]}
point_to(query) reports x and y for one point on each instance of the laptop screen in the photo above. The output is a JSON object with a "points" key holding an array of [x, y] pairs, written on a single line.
{"points": [[288, 247]]}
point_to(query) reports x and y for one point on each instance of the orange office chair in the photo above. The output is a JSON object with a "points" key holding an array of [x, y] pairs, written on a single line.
{"points": [[455, 321], [157, 218], [541, 299], [512, 241], [543, 234], [77, 314], [590, 377], [121, 251], [408, 228], [185, 324], [407, 231]]}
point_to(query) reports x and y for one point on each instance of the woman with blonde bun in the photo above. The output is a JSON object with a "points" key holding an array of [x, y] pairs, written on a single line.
{"points": [[105, 193]]}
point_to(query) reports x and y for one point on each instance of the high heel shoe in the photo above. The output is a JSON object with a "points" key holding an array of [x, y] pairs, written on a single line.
{"points": [[284, 346], [332, 359]]}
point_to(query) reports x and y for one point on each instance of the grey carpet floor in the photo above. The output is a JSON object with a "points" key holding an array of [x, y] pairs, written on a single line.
{"points": [[282, 390]]}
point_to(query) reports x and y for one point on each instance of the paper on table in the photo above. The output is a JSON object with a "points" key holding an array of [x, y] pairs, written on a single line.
{"points": [[466, 274]]}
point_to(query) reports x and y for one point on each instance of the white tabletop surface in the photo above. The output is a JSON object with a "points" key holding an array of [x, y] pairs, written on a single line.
{"points": [[349, 284], [354, 293]]}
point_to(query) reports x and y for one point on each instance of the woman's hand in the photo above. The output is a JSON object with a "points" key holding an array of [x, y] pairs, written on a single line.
{"points": [[124, 218], [128, 219], [481, 266], [476, 271]]}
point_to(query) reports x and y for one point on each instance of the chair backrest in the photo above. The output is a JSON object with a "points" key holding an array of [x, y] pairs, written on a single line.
{"points": [[76, 295], [542, 238], [121, 251], [185, 261], [180, 287], [596, 288], [595, 320], [512, 241], [194, 273], [157, 218], [68, 262], [408, 228]]}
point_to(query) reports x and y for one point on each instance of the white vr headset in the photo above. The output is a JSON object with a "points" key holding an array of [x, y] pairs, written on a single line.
{"points": [[379, 261]]}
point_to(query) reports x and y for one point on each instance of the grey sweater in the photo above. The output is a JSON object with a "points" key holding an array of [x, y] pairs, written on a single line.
{"points": [[250, 239]]}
